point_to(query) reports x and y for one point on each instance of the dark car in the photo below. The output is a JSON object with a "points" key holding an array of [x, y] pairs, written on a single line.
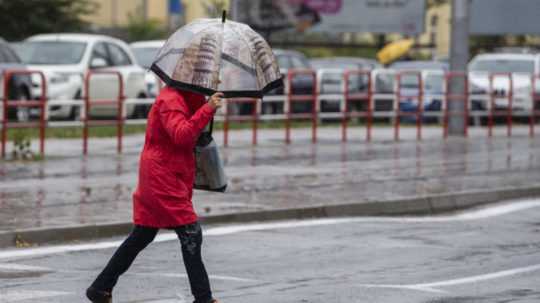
{"points": [[432, 74], [19, 85], [300, 85], [330, 73]]}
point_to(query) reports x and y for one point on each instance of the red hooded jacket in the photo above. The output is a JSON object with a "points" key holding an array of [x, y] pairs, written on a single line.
{"points": [[167, 164]]}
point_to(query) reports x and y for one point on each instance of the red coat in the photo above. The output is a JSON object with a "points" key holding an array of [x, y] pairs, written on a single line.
{"points": [[167, 164]]}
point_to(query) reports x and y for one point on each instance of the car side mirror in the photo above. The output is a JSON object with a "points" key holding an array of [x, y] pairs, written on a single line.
{"points": [[98, 63]]}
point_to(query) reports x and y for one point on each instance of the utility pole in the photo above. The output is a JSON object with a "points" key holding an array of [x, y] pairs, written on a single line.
{"points": [[459, 57], [145, 10]]}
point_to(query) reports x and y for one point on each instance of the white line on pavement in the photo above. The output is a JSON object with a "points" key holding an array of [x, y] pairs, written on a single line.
{"points": [[482, 213], [432, 286], [21, 267], [21, 295], [183, 275]]}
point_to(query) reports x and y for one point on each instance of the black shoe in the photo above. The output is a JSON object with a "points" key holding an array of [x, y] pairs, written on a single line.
{"points": [[98, 296]]}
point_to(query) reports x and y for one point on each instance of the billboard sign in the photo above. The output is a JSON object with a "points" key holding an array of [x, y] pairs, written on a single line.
{"points": [[333, 16], [493, 17]]}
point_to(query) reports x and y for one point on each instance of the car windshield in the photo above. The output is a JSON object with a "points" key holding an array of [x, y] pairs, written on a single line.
{"points": [[434, 83], [329, 64], [145, 55], [502, 66], [52, 52]]}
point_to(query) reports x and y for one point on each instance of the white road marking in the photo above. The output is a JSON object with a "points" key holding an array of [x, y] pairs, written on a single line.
{"points": [[183, 275], [432, 286], [478, 214], [21, 267], [21, 295]]}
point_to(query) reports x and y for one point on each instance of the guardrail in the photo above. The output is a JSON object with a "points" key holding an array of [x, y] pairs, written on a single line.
{"points": [[7, 103], [296, 98], [493, 95], [89, 103], [374, 105]]}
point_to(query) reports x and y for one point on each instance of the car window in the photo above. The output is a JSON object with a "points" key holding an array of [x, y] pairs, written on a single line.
{"points": [[298, 63], [3, 57], [118, 55], [502, 66], [7, 56], [100, 51], [52, 52], [283, 62], [145, 55]]}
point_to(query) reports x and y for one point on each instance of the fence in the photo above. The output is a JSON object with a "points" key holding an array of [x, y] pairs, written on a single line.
{"points": [[403, 101]]}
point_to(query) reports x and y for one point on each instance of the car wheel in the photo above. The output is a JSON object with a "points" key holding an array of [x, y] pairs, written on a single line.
{"points": [[22, 113], [141, 110]]}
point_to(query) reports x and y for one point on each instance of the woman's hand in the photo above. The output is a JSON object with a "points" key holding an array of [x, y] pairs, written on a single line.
{"points": [[215, 100]]}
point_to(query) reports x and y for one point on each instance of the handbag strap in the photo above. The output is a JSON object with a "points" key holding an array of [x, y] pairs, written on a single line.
{"points": [[211, 128]]}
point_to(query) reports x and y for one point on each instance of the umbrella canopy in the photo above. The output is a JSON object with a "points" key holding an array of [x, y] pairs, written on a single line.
{"points": [[394, 50], [210, 55]]}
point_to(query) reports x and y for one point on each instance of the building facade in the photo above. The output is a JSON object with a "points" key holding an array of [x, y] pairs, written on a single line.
{"points": [[115, 13]]}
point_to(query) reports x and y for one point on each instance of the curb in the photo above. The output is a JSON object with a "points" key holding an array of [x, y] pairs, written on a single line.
{"points": [[426, 205]]}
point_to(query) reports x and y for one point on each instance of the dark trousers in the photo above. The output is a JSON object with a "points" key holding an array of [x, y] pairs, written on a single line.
{"points": [[190, 237]]}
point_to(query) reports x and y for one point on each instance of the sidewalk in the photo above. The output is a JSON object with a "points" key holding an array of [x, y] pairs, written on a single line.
{"points": [[69, 190]]}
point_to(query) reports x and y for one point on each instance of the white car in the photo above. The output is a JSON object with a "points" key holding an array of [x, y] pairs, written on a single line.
{"points": [[145, 52], [520, 67], [66, 58]]}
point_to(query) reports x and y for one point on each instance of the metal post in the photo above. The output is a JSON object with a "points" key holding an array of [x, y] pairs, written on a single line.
{"points": [[459, 56], [145, 10], [4, 113]]}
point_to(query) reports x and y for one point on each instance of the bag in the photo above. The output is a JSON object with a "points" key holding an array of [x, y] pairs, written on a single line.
{"points": [[210, 174]]}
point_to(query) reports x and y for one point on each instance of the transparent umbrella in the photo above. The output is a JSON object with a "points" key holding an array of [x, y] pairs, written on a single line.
{"points": [[210, 55]]}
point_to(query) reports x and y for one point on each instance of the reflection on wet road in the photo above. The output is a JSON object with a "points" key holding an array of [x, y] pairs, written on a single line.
{"points": [[67, 190]]}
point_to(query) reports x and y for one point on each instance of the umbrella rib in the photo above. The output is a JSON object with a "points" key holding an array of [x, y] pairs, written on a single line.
{"points": [[248, 45], [224, 56], [238, 64], [169, 52]]}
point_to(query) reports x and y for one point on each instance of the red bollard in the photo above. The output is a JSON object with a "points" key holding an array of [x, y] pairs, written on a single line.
{"points": [[535, 100], [301, 98], [8, 74], [364, 97], [419, 108], [493, 112], [254, 117], [119, 102]]}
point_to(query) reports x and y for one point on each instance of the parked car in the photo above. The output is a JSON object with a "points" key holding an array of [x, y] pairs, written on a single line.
{"points": [[66, 58], [300, 84], [520, 67], [432, 76], [421, 65], [145, 52], [345, 63], [330, 73], [20, 86]]}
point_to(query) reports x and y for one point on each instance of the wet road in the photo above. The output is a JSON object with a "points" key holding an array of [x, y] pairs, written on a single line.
{"points": [[483, 256], [69, 190]]}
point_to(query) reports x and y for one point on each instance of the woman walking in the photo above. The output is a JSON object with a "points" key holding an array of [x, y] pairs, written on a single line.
{"points": [[165, 189]]}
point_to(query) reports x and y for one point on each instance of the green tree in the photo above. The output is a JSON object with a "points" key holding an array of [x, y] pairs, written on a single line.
{"points": [[21, 19], [140, 29], [215, 8]]}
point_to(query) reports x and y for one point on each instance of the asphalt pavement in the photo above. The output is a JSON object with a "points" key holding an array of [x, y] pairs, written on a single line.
{"points": [[488, 255]]}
